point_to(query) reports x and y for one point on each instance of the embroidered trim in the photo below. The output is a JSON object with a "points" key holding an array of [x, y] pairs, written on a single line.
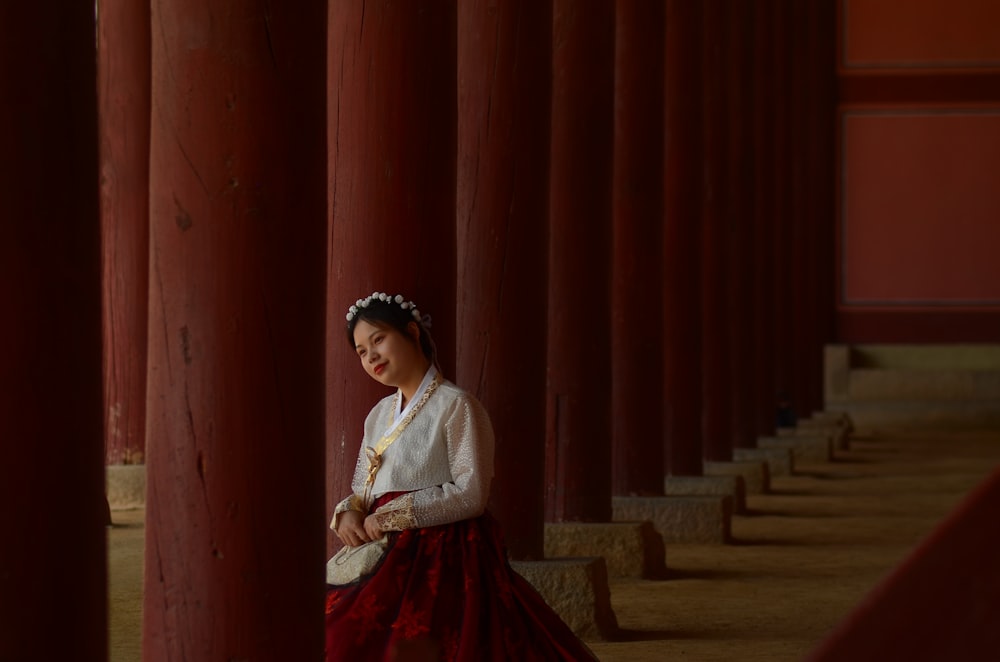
{"points": [[375, 454], [397, 515], [352, 502]]}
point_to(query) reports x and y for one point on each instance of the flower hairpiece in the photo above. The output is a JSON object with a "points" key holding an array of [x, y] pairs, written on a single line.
{"points": [[399, 300]]}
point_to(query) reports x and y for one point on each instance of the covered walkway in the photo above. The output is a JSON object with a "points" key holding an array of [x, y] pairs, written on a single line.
{"points": [[803, 557]]}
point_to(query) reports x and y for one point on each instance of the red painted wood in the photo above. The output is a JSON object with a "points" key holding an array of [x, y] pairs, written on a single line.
{"points": [[578, 444], [636, 312], [889, 90], [940, 603], [682, 303], [502, 209], [716, 269], [765, 200], [821, 18], [392, 143], [781, 233], [739, 219], [52, 506], [123, 36], [925, 184], [806, 355], [234, 548], [922, 89], [927, 33], [888, 326]]}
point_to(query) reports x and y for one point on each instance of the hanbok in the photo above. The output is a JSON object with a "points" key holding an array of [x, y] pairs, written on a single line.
{"points": [[444, 589]]}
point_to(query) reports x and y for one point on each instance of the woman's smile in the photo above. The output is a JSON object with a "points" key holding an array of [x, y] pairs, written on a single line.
{"points": [[390, 357]]}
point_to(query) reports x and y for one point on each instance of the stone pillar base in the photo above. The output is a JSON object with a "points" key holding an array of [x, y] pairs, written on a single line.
{"points": [[629, 549], [577, 590], [778, 460], [807, 447], [125, 485], [755, 474], [834, 424], [731, 485], [678, 519], [837, 418]]}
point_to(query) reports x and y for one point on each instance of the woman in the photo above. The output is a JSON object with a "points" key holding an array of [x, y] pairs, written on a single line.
{"points": [[437, 583]]}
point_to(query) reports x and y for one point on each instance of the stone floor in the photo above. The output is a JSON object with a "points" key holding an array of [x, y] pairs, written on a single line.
{"points": [[803, 556]]}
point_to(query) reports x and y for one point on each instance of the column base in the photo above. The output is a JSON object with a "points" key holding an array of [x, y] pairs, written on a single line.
{"points": [[755, 474], [731, 485], [835, 424], [576, 589], [805, 446], [779, 461], [679, 519], [125, 486], [629, 549]]}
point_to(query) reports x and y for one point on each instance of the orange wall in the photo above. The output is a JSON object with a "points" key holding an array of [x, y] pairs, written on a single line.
{"points": [[919, 152], [924, 33]]}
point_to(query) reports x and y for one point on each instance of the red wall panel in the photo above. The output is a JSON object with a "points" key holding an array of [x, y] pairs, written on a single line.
{"points": [[921, 208], [919, 171], [921, 33]]}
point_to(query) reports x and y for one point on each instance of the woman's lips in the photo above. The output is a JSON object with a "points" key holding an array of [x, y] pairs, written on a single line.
{"points": [[379, 368]]}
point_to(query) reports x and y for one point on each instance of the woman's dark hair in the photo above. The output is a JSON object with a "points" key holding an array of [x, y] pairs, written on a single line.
{"points": [[389, 313]]}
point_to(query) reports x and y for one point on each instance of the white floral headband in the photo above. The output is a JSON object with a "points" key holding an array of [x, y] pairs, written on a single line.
{"points": [[398, 300]]}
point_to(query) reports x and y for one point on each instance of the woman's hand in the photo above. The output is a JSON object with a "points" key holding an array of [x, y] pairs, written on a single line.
{"points": [[372, 528], [351, 528]]}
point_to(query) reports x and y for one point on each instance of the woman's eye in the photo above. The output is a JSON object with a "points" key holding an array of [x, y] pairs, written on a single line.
{"points": [[361, 353], [378, 339]]}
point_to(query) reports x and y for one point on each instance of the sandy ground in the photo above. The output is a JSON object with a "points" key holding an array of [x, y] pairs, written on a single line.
{"points": [[803, 556]]}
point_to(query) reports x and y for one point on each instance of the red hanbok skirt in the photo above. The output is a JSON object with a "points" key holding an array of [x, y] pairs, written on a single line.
{"points": [[446, 593]]}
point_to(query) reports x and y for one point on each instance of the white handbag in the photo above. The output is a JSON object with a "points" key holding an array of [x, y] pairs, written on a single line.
{"points": [[351, 564]]}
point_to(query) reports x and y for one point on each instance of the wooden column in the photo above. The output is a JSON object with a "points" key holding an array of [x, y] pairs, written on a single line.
{"points": [[739, 214], [578, 444], [784, 354], [637, 273], [53, 578], [504, 86], [234, 535], [764, 222], [819, 28], [391, 194], [123, 76], [715, 270], [802, 221], [682, 186]]}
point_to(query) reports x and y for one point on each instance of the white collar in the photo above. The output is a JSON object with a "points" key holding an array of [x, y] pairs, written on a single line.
{"points": [[400, 412]]}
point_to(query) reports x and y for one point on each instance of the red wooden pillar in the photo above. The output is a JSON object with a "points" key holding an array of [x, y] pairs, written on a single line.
{"points": [[234, 535], [823, 132], [715, 271], [817, 82], [578, 445], [52, 508], [764, 219], [502, 201], [785, 358], [391, 137], [682, 397], [739, 210], [802, 223], [123, 62], [637, 314]]}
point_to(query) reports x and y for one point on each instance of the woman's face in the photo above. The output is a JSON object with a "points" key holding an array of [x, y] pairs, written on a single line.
{"points": [[387, 355]]}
